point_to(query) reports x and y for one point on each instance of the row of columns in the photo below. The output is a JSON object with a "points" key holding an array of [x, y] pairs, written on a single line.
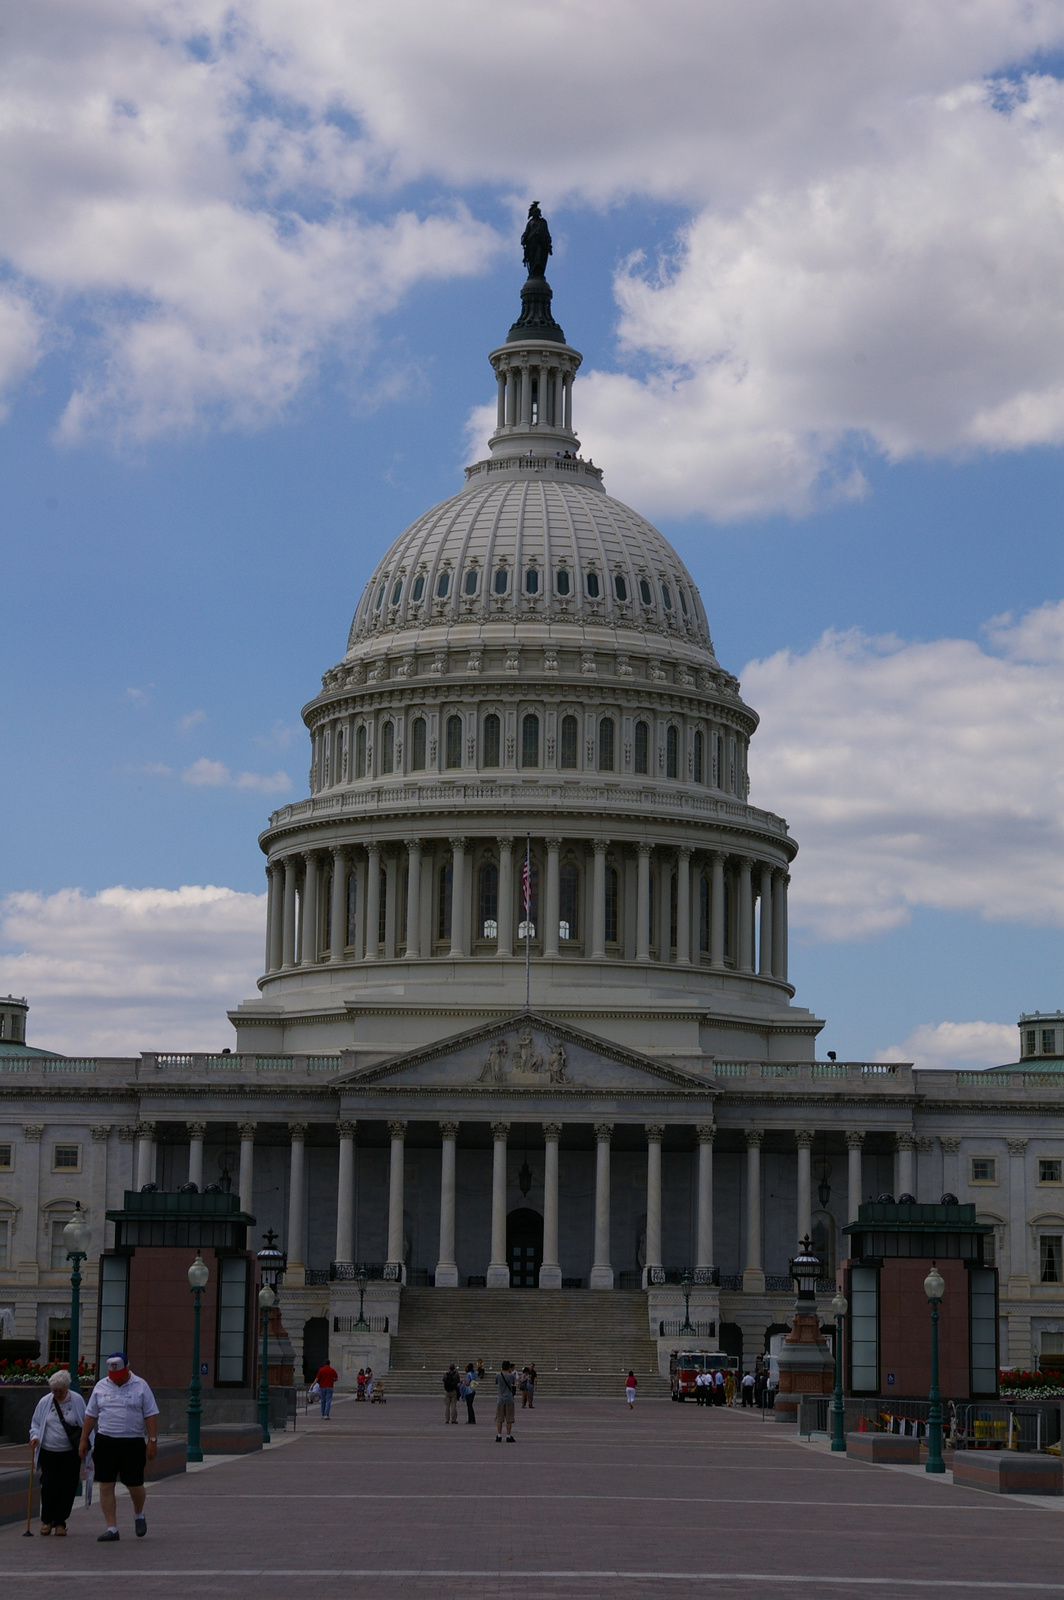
{"points": [[292, 938], [514, 409]]}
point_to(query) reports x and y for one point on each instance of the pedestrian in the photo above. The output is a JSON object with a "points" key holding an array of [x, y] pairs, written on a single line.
{"points": [[480, 1372], [759, 1387], [450, 1395], [718, 1388], [702, 1388], [505, 1387], [747, 1387], [55, 1433], [360, 1384], [468, 1393], [369, 1383], [526, 1388], [533, 1379], [122, 1410], [729, 1388], [325, 1381], [629, 1389]]}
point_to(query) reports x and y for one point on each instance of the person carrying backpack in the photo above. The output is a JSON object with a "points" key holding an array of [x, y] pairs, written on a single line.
{"points": [[450, 1395]]}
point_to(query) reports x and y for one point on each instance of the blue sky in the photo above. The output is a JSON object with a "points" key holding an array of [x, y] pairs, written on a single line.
{"points": [[244, 319]]}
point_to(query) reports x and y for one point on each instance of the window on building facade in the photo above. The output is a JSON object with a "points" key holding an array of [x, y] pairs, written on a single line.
{"points": [[489, 900], [1051, 1258], [530, 740], [387, 747], [644, 592], [569, 901], [1049, 1171], [7, 1153], [443, 585], [699, 760], [620, 588], [532, 581], [567, 757], [666, 597], [66, 1158], [443, 922], [360, 753], [232, 1321], [501, 581], [58, 1339], [397, 591], [58, 1258], [984, 1169], [419, 587], [5, 1244], [352, 908], [612, 906], [418, 745], [703, 914], [1031, 1037], [380, 597], [1051, 1344], [672, 752], [1049, 1041], [471, 581], [492, 740], [605, 744], [382, 910], [683, 601], [562, 581], [453, 754], [593, 588], [642, 747]]}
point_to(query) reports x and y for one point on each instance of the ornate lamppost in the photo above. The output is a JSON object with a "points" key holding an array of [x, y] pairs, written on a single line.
{"points": [[934, 1288], [363, 1277], [271, 1270], [76, 1238], [685, 1285], [838, 1410], [198, 1274]]}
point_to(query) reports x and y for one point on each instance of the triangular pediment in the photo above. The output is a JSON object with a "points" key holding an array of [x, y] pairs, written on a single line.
{"points": [[526, 1051]]}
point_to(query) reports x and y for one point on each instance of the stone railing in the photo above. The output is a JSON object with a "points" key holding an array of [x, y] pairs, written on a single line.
{"points": [[868, 1074], [196, 1062], [573, 468]]}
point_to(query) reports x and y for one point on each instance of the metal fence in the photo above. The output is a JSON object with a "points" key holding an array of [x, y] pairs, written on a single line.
{"points": [[351, 1325], [966, 1424], [697, 1330]]}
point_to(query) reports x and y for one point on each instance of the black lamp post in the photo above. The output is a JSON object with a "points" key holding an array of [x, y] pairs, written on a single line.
{"points": [[934, 1288], [76, 1238], [362, 1278], [271, 1270], [685, 1285], [198, 1274], [838, 1410], [805, 1270]]}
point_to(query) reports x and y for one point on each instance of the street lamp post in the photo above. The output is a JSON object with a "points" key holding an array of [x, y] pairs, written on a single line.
{"points": [[363, 1275], [838, 1410], [685, 1285], [272, 1263], [934, 1288], [198, 1274], [76, 1238]]}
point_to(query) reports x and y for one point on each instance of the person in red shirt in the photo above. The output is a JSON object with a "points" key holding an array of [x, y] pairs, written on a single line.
{"points": [[325, 1381]]}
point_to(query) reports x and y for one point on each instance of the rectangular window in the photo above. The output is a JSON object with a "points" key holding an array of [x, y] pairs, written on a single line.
{"points": [[864, 1330], [492, 731], [232, 1320], [59, 1262], [114, 1293], [642, 747], [352, 908], [58, 1338], [568, 754], [1051, 1259], [1052, 1344], [984, 1169], [983, 1320], [7, 1154], [1032, 1041], [1049, 1041], [605, 742], [1049, 1171], [530, 741], [66, 1158], [5, 1237], [417, 760]]}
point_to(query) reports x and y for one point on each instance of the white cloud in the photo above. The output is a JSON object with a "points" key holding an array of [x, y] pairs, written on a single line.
{"points": [[206, 774], [140, 697], [191, 719], [127, 970], [918, 774], [963, 1045]]}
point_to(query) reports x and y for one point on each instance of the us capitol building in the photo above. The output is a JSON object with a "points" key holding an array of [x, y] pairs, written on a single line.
{"points": [[525, 1020]]}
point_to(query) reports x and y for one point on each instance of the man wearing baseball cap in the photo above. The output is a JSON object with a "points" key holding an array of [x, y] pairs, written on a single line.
{"points": [[122, 1409]]}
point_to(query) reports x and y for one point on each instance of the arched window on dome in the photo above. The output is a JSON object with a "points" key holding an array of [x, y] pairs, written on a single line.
{"points": [[605, 744], [380, 597], [352, 909], [620, 587], [683, 600], [471, 580], [569, 901], [360, 752], [530, 740], [443, 904], [453, 750], [387, 747], [613, 905], [492, 740], [699, 757], [488, 901], [532, 581], [443, 585], [672, 752], [419, 588], [417, 745], [645, 593], [562, 582], [502, 579], [594, 588], [568, 752], [397, 591], [642, 747], [666, 597]]}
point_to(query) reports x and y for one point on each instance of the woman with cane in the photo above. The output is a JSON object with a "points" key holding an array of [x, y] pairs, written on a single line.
{"points": [[55, 1432]]}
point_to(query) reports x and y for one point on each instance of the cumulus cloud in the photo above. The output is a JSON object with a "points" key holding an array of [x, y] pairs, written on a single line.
{"points": [[207, 774], [127, 970], [965, 1045], [918, 774]]}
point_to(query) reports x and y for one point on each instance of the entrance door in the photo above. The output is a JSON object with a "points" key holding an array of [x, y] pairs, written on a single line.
{"points": [[524, 1247]]}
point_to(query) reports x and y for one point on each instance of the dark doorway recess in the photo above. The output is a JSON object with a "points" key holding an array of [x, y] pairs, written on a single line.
{"points": [[524, 1247], [315, 1347]]}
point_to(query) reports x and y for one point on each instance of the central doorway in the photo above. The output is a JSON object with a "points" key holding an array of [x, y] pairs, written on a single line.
{"points": [[524, 1247]]}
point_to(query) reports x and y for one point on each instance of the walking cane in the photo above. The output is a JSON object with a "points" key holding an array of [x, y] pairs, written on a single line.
{"points": [[29, 1491]]}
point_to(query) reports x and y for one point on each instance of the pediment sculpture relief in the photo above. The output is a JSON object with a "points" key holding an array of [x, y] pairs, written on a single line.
{"points": [[524, 1066]]}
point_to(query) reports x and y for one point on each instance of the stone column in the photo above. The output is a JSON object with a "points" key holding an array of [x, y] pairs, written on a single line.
{"points": [[100, 1133], [247, 1165], [498, 1266], [526, 396], [803, 1138], [642, 902], [144, 1159], [753, 1274], [950, 1152], [310, 910], [779, 926], [345, 1195], [683, 906], [506, 897], [598, 900], [196, 1132], [289, 935], [602, 1271], [1019, 1281], [568, 380], [373, 901], [906, 1149], [458, 898], [274, 914], [500, 412], [655, 1132], [446, 1266], [704, 1235], [338, 909], [764, 965], [553, 913], [746, 916], [296, 1187], [396, 1174], [413, 900], [854, 1182], [716, 911], [550, 1273]]}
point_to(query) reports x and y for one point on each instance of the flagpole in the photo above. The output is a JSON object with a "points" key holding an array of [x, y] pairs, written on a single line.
{"points": [[528, 924]]}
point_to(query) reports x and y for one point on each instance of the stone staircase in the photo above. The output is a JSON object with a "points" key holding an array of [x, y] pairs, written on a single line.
{"points": [[582, 1342]]}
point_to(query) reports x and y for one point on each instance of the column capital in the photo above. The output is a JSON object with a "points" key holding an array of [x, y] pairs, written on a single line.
{"points": [[645, 847], [458, 843], [925, 1146], [500, 1130], [143, 1130], [339, 851], [246, 1130], [603, 1132], [655, 1132], [746, 863], [553, 843], [951, 1145], [685, 852], [706, 1132], [505, 841], [347, 1129], [754, 1137], [397, 1129], [297, 1132], [854, 1141], [552, 1130], [100, 1132], [126, 1134], [905, 1141], [600, 846], [414, 846], [717, 855], [373, 848], [1015, 1147], [196, 1130], [449, 1130], [803, 1138]]}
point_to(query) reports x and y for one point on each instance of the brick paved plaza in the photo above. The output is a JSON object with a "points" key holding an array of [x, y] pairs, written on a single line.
{"points": [[384, 1503]]}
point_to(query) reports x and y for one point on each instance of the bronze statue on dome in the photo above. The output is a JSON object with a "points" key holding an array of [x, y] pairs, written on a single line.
{"points": [[536, 242]]}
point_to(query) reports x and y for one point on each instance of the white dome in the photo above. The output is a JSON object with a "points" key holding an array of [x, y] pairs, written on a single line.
{"points": [[532, 540]]}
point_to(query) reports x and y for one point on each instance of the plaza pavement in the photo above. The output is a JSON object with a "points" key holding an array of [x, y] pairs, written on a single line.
{"points": [[385, 1503]]}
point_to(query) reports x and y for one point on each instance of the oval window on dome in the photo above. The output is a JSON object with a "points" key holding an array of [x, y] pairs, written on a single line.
{"points": [[666, 597], [443, 585], [471, 581], [644, 591], [562, 581], [593, 589], [683, 601], [419, 587], [620, 588], [500, 581], [380, 597], [531, 581], [397, 591]]}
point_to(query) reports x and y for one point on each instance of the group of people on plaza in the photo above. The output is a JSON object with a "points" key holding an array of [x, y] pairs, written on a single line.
{"points": [[721, 1388], [106, 1441], [464, 1385]]}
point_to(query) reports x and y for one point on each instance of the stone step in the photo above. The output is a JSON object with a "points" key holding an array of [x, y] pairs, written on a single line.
{"points": [[552, 1385]]}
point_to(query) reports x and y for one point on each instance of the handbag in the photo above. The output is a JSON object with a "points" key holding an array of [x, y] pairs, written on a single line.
{"points": [[314, 1391], [72, 1429]]}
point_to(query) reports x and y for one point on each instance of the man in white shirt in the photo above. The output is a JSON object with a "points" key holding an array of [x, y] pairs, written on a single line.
{"points": [[122, 1409]]}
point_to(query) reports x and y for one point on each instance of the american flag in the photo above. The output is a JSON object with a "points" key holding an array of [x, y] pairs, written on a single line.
{"points": [[526, 884]]}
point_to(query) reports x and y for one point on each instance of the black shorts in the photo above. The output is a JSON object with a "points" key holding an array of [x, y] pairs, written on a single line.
{"points": [[117, 1460]]}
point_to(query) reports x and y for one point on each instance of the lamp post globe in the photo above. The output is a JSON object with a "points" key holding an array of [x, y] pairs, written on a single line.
{"points": [[76, 1236], [934, 1289], [839, 1307], [198, 1278]]}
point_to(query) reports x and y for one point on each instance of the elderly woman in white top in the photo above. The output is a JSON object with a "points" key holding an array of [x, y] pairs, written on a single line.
{"points": [[57, 1450]]}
